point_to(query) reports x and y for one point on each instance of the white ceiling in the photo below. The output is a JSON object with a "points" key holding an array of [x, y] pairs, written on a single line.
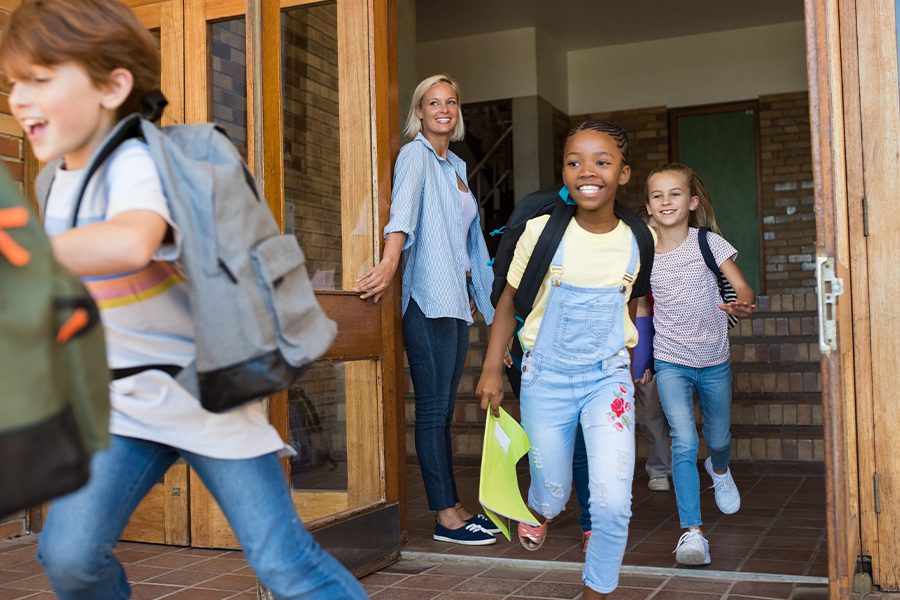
{"points": [[593, 23]]}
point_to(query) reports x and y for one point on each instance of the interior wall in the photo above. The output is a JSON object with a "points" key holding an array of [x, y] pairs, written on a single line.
{"points": [[728, 65], [715, 67], [487, 67]]}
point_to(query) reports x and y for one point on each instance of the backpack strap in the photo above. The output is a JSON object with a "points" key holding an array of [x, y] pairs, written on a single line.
{"points": [[706, 251], [541, 258], [128, 128], [726, 290], [646, 245]]}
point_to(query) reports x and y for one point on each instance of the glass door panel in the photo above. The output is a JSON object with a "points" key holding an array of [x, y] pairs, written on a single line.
{"points": [[311, 151], [228, 78], [312, 146]]}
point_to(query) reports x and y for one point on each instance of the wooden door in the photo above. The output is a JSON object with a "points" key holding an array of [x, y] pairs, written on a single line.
{"points": [[722, 142], [162, 517], [298, 87], [872, 108]]}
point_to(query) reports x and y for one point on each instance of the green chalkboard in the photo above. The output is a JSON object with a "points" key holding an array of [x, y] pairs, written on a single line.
{"points": [[721, 148]]}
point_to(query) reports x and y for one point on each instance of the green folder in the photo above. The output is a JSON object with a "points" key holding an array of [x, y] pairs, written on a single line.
{"points": [[505, 443]]}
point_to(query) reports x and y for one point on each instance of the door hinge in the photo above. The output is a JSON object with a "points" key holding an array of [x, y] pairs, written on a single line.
{"points": [[829, 288], [865, 216], [876, 494]]}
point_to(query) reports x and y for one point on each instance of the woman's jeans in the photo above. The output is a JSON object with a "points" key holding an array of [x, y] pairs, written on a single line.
{"points": [[676, 385], [436, 351], [82, 528]]}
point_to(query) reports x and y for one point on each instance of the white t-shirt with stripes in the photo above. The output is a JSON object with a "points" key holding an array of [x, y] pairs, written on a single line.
{"points": [[690, 328]]}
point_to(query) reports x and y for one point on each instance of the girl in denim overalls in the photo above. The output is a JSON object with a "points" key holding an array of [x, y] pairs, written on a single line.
{"points": [[576, 366]]}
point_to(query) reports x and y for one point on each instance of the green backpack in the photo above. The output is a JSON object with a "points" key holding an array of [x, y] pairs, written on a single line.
{"points": [[55, 399]]}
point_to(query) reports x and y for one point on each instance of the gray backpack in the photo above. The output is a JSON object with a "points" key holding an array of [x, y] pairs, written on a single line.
{"points": [[256, 319]]}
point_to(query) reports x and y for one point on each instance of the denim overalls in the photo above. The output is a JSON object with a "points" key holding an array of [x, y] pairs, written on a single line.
{"points": [[579, 370]]}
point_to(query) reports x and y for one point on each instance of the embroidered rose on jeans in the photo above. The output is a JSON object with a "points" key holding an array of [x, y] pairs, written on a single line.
{"points": [[620, 411]]}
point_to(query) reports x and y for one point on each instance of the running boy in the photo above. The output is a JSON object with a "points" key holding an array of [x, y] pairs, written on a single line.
{"points": [[576, 364], [690, 348], [77, 67]]}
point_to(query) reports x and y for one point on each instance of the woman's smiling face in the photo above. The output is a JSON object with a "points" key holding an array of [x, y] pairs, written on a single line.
{"points": [[439, 110]]}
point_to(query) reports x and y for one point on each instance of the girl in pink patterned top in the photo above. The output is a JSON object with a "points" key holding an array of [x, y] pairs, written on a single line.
{"points": [[691, 344]]}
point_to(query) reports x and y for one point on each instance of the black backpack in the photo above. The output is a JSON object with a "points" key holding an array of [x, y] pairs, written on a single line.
{"points": [[726, 290], [552, 201]]}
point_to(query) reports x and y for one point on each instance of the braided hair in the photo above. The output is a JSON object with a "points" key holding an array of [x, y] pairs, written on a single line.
{"points": [[614, 130]]}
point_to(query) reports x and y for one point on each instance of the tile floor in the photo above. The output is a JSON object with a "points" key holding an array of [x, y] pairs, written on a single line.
{"points": [[780, 530]]}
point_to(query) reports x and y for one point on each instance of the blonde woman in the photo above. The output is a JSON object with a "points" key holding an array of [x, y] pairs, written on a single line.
{"points": [[434, 228]]}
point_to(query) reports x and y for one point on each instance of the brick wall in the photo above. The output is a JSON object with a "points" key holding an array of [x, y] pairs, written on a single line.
{"points": [[789, 226]]}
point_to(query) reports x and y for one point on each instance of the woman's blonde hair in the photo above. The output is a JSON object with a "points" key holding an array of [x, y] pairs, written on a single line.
{"points": [[414, 123], [703, 215]]}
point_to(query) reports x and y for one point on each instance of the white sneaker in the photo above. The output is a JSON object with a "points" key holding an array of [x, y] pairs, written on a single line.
{"points": [[692, 549], [728, 498], [659, 484]]}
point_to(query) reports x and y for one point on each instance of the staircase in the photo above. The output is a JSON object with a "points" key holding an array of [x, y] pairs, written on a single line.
{"points": [[776, 407]]}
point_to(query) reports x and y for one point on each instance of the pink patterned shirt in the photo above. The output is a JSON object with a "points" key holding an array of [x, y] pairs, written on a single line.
{"points": [[690, 328]]}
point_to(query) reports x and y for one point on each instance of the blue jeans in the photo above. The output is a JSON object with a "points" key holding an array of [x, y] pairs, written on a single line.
{"points": [[436, 351], [82, 528], [580, 480], [600, 404], [676, 385]]}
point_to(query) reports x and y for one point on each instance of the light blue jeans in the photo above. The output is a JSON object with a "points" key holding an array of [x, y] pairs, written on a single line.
{"points": [[676, 385], [82, 528]]}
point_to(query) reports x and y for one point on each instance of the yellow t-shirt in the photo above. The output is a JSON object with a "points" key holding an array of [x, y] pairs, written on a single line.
{"points": [[590, 260]]}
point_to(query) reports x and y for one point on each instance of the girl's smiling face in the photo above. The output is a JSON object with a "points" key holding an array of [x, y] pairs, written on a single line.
{"points": [[593, 170], [669, 199], [62, 111]]}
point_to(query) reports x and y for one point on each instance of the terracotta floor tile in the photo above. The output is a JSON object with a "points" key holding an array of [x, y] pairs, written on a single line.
{"points": [[697, 585], [14, 594], [624, 593], [427, 581], [232, 583], [200, 594], [400, 593], [489, 585], [383, 579], [149, 591], [762, 589], [546, 589], [182, 577]]}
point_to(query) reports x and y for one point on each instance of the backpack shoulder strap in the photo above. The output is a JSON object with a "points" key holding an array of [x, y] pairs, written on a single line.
{"points": [[541, 257], [43, 182], [127, 128], [706, 251], [646, 245]]}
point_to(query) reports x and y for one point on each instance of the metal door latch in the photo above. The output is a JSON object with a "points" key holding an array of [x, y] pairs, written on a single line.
{"points": [[829, 288]]}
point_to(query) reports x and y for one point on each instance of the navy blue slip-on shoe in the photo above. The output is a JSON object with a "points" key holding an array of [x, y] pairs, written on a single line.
{"points": [[469, 535], [485, 523]]}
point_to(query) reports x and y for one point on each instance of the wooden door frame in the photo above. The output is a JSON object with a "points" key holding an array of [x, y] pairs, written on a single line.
{"points": [[368, 135], [833, 154]]}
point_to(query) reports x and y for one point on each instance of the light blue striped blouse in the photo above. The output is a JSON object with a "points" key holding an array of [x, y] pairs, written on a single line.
{"points": [[425, 205]]}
